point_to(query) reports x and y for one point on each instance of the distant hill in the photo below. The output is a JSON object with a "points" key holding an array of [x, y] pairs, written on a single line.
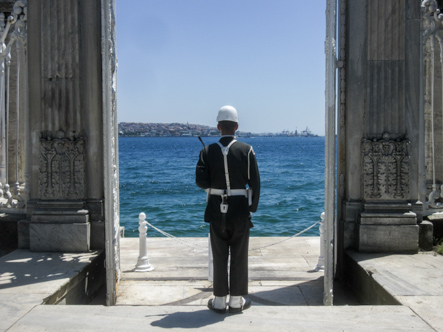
{"points": [[138, 129]]}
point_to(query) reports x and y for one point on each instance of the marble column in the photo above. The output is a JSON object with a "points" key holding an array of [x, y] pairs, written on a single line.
{"points": [[378, 125], [65, 164]]}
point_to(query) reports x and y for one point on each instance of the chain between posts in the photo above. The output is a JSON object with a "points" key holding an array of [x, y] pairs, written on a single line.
{"points": [[258, 248], [286, 239]]}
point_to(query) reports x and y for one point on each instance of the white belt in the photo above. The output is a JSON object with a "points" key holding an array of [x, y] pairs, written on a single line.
{"points": [[234, 192]]}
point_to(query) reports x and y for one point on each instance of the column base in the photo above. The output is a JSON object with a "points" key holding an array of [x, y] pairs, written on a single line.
{"points": [[60, 226], [59, 237], [393, 231]]}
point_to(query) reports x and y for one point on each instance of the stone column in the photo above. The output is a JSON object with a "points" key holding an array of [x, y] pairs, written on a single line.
{"points": [[65, 164], [379, 116]]}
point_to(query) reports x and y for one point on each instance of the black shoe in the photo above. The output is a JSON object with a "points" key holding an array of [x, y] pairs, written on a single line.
{"points": [[245, 306], [211, 306]]}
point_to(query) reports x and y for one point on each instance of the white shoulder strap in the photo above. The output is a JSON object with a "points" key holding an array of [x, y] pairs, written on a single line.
{"points": [[225, 151]]}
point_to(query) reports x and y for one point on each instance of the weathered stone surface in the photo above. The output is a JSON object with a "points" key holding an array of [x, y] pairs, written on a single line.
{"points": [[378, 134], [60, 237], [28, 273], [393, 231], [384, 238], [385, 164], [359, 280], [15, 306], [67, 131], [350, 235], [63, 224], [27, 277], [62, 166], [97, 234], [23, 234], [368, 218], [196, 318], [412, 280], [436, 216], [95, 208], [57, 216], [427, 307], [426, 235]]}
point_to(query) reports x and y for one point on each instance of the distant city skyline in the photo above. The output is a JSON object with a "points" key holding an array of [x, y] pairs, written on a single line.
{"points": [[180, 61], [191, 129]]}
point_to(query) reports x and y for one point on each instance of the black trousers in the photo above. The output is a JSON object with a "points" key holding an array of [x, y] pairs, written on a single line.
{"points": [[236, 238]]}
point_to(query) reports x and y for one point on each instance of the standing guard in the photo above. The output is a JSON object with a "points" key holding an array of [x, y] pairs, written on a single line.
{"points": [[228, 171]]}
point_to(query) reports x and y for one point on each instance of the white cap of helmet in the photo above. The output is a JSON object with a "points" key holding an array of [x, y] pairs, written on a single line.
{"points": [[227, 113]]}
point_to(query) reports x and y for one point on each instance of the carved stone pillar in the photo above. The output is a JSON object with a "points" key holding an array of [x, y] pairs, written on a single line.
{"points": [[65, 164], [60, 221], [386, 223], [379, 132]]}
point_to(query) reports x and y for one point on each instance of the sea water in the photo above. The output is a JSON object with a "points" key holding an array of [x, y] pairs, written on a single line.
{"points": [[157, 177]]}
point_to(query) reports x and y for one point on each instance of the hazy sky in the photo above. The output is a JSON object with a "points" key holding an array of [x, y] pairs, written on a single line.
{"points": [[181, 60]]}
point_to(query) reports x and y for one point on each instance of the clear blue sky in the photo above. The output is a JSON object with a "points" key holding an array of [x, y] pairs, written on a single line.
{"points": [[181, 60]]}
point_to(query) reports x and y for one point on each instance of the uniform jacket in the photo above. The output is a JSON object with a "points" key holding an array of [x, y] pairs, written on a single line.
{"points": [[243, 172]]}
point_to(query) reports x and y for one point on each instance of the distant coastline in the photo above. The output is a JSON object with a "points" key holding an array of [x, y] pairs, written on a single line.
{"points": [[134, 129]]}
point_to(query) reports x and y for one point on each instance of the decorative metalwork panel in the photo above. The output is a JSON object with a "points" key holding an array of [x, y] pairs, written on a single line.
{"points": [[385, 168], [62, 168]]}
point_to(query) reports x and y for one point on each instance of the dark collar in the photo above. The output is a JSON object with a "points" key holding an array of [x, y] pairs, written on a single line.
{"points": [[226, 139]]}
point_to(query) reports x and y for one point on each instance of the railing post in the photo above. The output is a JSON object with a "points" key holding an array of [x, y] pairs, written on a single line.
{"points": [[321, 259], [143, 260]]}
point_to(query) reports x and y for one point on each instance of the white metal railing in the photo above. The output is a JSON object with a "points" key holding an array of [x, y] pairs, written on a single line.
{"points": [[12, 106]]}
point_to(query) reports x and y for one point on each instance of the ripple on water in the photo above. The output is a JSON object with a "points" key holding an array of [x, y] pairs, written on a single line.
{"points": [[157, 177]]}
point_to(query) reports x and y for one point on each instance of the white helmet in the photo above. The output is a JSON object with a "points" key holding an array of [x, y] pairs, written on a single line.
{"points": [[227, 113]]}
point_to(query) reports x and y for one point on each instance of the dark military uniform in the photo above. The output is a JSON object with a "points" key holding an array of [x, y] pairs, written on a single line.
{"points": [[230, 231]]}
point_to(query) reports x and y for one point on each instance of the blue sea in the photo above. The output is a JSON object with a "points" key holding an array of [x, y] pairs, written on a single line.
{"points": [[157, 177]]}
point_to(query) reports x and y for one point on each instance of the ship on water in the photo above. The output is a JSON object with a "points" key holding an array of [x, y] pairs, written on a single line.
{"points": [[305, 133]]}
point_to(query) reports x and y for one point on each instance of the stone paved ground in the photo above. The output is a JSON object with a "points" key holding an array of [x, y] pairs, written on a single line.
{"points": [[286, 295], [280, 274]]}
